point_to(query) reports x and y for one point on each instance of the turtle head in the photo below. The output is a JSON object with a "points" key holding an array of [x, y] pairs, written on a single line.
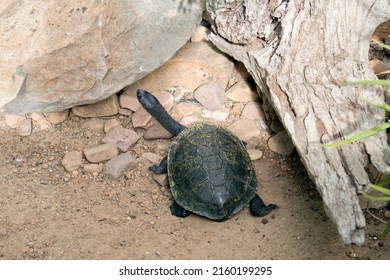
{"points": [[147, 100], [154, 108]]}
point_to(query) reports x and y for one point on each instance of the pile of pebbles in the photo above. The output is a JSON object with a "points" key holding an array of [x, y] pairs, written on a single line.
{"points": [[230, 100]]}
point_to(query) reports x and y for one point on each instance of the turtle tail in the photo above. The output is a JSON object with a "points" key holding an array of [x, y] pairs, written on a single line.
{"points": [[154, 108]]}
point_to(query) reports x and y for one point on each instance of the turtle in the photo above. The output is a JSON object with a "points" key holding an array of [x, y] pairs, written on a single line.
{"points": [[209, 169]]}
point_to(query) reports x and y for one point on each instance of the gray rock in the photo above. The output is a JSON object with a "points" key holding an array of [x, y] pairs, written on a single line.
{"points": [[211, 95], [110, 124], [188, 120], [94, 124], [218, 115], [242, 92], [80, 52], [39, 121], [105, 108], [101, 153], [25, 127], [276, 126], [235, 110], [72, 160], [129, 100], [13, 121], [116, 166], [125, 112], [162, 179], [92, 168], [121, 137], [57, 117], [245, 129], [183, 109], [157, 131], [153, 158], [255, 154], [252, 110], [281, 144], [193, 65]]}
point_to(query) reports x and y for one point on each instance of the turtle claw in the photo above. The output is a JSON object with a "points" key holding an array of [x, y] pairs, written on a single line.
{"points": [[157, 169], [178, 211], [161, 168], [258, 208]]}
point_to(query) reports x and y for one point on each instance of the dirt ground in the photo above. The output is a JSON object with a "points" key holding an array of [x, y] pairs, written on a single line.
{"points": [[49, 213]]}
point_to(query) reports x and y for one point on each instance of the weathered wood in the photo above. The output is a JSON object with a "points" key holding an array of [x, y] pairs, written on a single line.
{"points": [[310, 47]]}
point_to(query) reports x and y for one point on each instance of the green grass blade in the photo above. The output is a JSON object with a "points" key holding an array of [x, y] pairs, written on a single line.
{"points": [[384, 182], [362, 135], [385, 83], [385, 232], [376, 198], [381, 44], [380, 189], [383, 106]]}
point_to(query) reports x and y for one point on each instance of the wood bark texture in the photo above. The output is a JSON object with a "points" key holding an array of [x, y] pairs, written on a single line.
{"points": [[299, 52]]}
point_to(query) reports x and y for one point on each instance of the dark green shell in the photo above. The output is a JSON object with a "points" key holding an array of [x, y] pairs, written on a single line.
{"points": [[210, 172]]}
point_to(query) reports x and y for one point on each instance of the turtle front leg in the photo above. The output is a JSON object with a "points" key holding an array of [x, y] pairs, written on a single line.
{"points": [[161, 168], [178, 211], [258, 208]]}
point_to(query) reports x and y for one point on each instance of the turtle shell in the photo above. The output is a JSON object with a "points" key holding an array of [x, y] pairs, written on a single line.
{"points": [[210, 172]]}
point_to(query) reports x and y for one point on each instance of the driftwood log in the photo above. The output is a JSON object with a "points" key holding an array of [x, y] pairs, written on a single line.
{"points": [[299, 52]]}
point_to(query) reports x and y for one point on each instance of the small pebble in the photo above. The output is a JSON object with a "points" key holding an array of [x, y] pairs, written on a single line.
{"points": [[121, 137], [132, 215], [242, 92], [116, 166], [25, 127], [153, 158], [211, 95], [110, 124], [72, 160], [255, 154], [57, 117], [245, 129], [281, 144], [101, 153], [252, 110], [161, 179], [128, 100], [39, 120], [156, 131], [94, 124], [13, 121], [125, 112], [105, 108], [93, 168], [44, 182]]}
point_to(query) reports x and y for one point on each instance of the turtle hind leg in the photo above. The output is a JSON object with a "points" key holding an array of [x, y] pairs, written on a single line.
{"points": [[258, 208], [161, 168], [179, 211]]}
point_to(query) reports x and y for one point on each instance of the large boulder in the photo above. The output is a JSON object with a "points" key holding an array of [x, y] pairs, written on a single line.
{"points": [[58, 54]]}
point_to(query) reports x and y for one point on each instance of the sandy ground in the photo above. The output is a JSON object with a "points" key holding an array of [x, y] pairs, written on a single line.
{"points": [[48, 213]]}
